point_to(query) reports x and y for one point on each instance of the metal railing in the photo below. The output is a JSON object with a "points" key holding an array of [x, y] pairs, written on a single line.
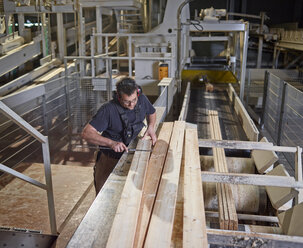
{"points": [[282, 113], [184, 109], [130, 38], [46, 159]]}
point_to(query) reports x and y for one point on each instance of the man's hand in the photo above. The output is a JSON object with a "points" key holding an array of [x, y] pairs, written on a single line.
{"points": [[151, 133], [119, 146], [91, 135]]}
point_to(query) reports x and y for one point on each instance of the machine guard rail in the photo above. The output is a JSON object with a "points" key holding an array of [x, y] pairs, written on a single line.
{"points": [[242, 178], [46, 159]]}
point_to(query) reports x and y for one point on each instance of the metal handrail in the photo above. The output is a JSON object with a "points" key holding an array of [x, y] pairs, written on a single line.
{"points": [[46, 160]]}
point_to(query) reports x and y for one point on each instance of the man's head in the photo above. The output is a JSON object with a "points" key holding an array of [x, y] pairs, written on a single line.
{"points": [[127, 92]]}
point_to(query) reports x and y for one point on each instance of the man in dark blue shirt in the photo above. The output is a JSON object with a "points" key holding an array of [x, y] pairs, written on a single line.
{"points": [[116, 124]]}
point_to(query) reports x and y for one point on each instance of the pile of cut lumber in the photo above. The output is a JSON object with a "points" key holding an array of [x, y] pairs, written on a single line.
{"points": [[228, 218], [146, 215]]}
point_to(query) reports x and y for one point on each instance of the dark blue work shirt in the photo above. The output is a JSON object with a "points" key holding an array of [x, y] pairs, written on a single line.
{"points": [[108, 119]]}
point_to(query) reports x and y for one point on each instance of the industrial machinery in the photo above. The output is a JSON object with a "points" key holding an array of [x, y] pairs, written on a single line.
{"points": [[242, 160]]}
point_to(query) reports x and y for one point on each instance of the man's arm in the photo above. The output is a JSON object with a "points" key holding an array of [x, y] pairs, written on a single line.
{"points": [[151, 122], [91, 135]]}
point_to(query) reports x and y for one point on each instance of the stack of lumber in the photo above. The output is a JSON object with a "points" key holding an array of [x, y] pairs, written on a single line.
{"points": [[228, 218], [146, 213]]}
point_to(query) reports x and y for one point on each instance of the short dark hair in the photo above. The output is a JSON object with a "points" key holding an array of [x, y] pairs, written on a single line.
{"points": [[126, 86]]}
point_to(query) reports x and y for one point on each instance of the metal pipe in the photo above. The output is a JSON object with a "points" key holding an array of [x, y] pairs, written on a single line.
{"points": [[130, 56], [178, 65], [49, 184], [243, 64], [22, 176], [22, 123], [92, 38]]}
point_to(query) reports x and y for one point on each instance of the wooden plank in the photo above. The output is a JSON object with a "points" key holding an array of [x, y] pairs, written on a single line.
{"points": [[251, 179], [264, 159], [244, 145], [161, 225], [231, 93], [222, 201], [127, 212], [279, 195], [225, 238], [54, 73], [151, 182], [95, 227], [252, 217], [248, 125], [194, 228], [227, 210], [177, 235], [222, 205]]}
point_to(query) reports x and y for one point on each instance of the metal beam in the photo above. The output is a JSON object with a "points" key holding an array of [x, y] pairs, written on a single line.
{"points": [[19, 56], [243, 61], [61, 36], [183, 112], [24, 96], [21, 24], [21, 123], [22, 176], [49, 184], [211, 38], [222, 26], [24, 79]]}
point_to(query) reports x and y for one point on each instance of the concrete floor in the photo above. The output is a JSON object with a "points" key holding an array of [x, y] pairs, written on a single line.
{"points": [[25, 206]]}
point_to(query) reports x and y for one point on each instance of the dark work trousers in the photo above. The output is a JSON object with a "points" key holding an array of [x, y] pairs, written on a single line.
{"points": [[103, 167]]}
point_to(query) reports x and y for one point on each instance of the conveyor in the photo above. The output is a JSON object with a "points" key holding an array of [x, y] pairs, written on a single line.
{"points": [[96, 225]]}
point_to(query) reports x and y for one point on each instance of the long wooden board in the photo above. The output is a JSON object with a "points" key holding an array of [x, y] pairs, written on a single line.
{"points": [[194, 227], [161, 224], [151, 182], [248, 125], [127, 212]]}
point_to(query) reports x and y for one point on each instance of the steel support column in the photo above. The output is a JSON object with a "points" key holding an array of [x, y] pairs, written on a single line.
{"points": [[99, 62], [21, 24], [243, 64], [60, 36]]}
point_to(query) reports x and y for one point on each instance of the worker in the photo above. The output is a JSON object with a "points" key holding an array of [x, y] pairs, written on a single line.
{"points": [[116, 124]]}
